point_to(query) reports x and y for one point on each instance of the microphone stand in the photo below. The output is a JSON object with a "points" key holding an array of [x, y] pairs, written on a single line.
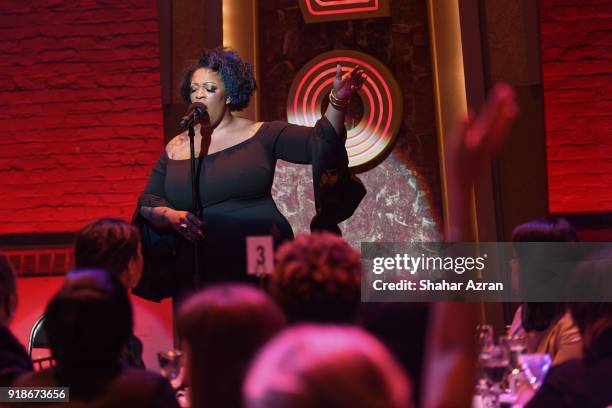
{"points": [[195, 206]]}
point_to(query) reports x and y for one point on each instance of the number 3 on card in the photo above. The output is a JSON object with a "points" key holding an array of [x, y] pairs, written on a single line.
{"points": [[260, 255]]}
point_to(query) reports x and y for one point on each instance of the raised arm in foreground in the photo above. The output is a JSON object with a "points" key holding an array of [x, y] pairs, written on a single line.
{"points": [[450, 361]]}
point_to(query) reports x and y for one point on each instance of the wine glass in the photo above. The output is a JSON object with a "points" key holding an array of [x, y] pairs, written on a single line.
{"points": [[495, 361], [171, 366], [515, 345], [484, 335]]}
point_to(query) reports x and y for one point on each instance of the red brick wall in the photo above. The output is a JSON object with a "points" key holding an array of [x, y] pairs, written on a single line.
{"points": [[80, 110], [577, 66]]}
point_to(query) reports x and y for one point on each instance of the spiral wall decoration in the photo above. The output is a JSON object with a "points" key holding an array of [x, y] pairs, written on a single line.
{"points": [[374, 116]]}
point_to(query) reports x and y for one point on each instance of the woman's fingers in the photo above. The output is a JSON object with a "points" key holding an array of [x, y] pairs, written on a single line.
{"points": [[183, 229], [361, 80], [191, 227], [358, 78], [350, 83], [195, 220], [195, 225]]}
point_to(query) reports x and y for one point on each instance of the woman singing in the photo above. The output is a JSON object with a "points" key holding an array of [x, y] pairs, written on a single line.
{"points": [[236, 158]]}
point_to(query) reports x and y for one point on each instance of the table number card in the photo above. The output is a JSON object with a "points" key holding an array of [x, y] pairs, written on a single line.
{"points": [[260, 255]]}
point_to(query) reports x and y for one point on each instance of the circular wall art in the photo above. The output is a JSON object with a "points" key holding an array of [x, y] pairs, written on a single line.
{"points": [[374, 115]]}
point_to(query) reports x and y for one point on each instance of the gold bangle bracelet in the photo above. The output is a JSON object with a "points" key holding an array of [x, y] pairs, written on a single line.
{"points": [[333, 96], [339, 107], [338, 104]]}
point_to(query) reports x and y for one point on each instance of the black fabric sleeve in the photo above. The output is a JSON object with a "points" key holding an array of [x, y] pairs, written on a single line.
{"points": [[558, 389], [547, 396], [159, 247], [337, 192], [154, 194], [293, 143]]}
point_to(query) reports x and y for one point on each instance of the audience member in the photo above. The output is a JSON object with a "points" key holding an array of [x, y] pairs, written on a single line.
{"points": [[221, 329], [88, 323], [326, 366], [548, 327], [451, 354], [113, 245], [14, 360], [585, 382], [317, 278]]}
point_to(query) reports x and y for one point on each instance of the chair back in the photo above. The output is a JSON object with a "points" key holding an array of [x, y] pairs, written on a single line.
{"points": [[39, 340], [38, 335]]}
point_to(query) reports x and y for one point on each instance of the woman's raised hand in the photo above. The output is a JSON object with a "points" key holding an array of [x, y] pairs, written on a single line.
{"points": [[346, 86], [477, 138]]}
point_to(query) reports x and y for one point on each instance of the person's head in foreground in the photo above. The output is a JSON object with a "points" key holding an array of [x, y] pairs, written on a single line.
{"points": [[317, 278], [8, 292], [220, 80], [113, 245], [595, 322], [326, 366], [88, 321], [14, 359], [593, 278], [585, 382], [221, 328]]}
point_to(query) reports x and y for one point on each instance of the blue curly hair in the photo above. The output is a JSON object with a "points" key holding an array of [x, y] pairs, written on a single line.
{"points": [[237, 76]]}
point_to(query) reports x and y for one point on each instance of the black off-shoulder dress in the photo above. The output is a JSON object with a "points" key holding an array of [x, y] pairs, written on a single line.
{"points": [[235, 194]]}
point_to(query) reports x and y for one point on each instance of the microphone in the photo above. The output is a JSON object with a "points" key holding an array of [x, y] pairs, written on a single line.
{"points": [[194, 113]]}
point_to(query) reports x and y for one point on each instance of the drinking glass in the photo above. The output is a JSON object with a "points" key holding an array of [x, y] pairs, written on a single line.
{"points": [[495, 361], [171, 366], [515, 345], [484, 335], [516, 377]]}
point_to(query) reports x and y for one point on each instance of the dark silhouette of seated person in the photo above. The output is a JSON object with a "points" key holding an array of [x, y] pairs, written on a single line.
{"points": [[586, 381], [88, 323], [14, 359], [113, 245]]}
